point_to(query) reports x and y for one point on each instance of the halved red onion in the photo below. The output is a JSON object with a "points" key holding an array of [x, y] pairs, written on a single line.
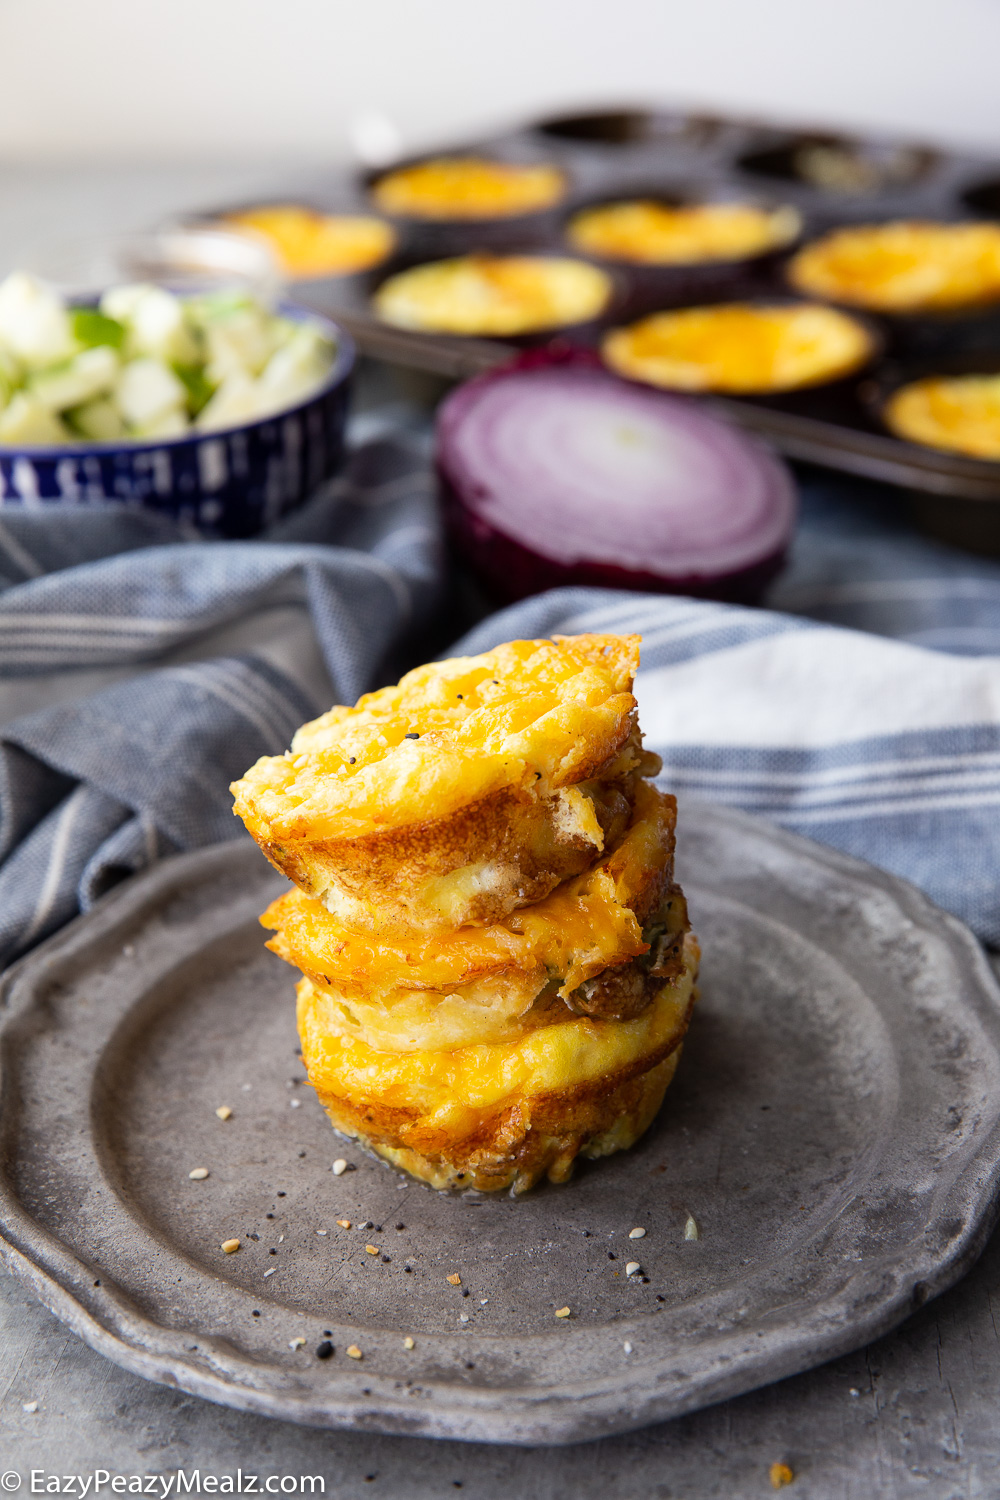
{"points": [[556, 472]]}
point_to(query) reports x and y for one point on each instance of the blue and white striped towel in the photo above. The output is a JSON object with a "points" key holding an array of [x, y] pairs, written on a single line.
{"points": [[106, 765], [136, 684], [880, 748]]}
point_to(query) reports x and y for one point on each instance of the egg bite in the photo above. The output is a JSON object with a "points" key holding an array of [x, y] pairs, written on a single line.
{"points": [[309, 244], [470, 789], [954, 413], [600, 944], [494, 296], [646, 231], [905, 266], [740, 348], [469, 187], [502, 1114]]}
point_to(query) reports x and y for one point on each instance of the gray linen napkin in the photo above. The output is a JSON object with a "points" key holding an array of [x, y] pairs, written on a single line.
{"points": [[141, 673]]}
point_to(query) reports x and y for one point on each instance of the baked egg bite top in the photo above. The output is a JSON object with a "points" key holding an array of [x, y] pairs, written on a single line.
{"points": [[906, 266], [307, 243], [472, 787], [740, 348], [469, 187], [646, 231], [958, 414], [494, 296]]}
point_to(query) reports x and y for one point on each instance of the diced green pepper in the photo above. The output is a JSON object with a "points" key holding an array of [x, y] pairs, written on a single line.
{"points": [[199, 388], [91, 328]]}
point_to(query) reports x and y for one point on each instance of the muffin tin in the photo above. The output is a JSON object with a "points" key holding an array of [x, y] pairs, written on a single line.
{"points": [[831, 179]]}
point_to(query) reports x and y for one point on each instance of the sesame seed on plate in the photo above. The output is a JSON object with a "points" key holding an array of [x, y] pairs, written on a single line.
{"points": [[463, 1317], [691, 1230], [562, 1312], [198, 1174], [29, 1406], [353, 1352], [270, 1272], [627, 1347], [294, 1103], [339, 1167], [632, 1267], [454, 1279], [409, 1343], [637, 1234], [230, 1246], [323, 1231], [296, 1343], [344, 1223], [224, 1112]]}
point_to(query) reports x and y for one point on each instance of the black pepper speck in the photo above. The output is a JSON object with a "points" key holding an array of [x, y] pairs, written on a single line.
{"points": [[324, 1350]]}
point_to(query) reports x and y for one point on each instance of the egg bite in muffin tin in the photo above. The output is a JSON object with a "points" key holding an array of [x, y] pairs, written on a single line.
{"points": [[678, 248], [454, 203], [514, 297], [742, 348]]}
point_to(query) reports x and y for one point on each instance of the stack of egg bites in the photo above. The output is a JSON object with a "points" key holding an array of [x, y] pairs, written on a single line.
{"points": [[497, 966]]}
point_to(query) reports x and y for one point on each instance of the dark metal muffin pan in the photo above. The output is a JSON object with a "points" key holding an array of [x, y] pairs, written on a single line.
{"points": [[614, 153]]}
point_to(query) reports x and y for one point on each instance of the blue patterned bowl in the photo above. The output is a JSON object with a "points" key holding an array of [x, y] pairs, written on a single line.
{"points": [[230, 483]]}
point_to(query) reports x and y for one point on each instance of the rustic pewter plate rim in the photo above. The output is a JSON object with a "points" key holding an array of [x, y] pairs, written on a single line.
{"points": [[727, 1362]]}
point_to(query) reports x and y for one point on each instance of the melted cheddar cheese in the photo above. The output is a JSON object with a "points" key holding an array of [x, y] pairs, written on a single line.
{"points": [[532, 715], [306, 243], [453, 1087], [468, 187], [577, 931], [959, 414], [494, 296], [741, 348], [652, 233], [905, 266]]}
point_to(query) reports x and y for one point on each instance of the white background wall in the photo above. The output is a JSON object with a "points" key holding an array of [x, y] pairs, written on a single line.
{"points": [[238, 78]]}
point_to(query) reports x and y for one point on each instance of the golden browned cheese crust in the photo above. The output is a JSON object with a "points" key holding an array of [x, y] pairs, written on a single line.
{"points": [[529, 756], [502, 1115], [524, 1144]]}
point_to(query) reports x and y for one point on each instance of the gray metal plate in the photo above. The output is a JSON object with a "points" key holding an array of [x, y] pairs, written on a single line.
{"points": [[834, 1129]]}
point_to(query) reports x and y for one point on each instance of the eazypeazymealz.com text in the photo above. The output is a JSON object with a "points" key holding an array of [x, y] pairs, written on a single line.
{"points": [[167, 1486]]}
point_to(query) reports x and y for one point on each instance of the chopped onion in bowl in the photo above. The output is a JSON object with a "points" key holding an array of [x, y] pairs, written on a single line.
{"points": [[558, 472]]}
